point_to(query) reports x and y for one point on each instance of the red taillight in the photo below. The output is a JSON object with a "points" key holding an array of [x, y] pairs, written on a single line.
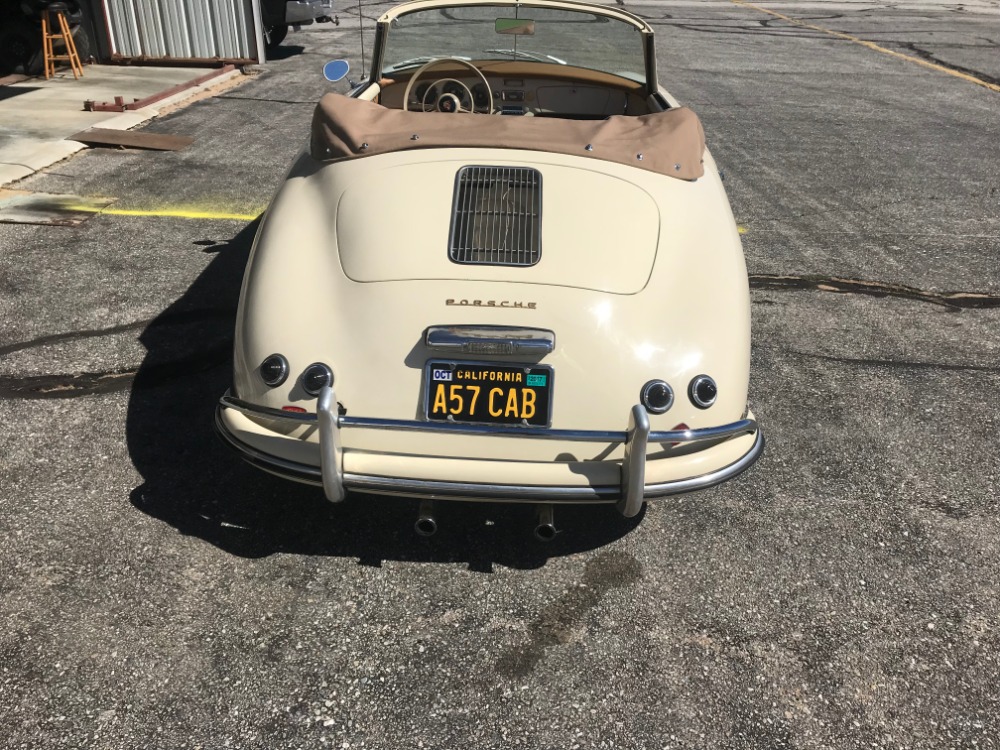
{"points": [[294, 409]]}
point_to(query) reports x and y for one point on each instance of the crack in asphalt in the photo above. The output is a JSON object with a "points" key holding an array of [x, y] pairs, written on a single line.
{"points": [[955, 301], [723, 29], [918, 58], [311, 103], [930, 57], [898, 364], [77, 384]]}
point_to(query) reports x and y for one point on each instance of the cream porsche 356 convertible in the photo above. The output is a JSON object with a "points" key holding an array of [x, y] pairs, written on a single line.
{"points": [[505, 269]]}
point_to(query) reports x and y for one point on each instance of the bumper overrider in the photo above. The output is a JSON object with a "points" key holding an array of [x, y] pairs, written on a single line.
{"points": [[629, 494]]}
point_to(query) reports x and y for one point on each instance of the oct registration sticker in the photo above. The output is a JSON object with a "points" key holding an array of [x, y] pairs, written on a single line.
{"points": [[489, 394]]}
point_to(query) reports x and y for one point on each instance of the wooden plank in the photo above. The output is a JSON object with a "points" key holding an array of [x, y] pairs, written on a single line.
{"points": [[132, 139]]}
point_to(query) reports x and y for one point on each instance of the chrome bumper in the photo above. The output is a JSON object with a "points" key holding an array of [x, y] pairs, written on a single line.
{"points": [[629, 496]]}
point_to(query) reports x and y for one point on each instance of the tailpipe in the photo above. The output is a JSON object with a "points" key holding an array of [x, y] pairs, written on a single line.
{"points": [[546, 529], [426, 524]]}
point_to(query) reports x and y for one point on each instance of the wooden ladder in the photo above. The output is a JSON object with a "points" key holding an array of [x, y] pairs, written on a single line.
{"points": [[49, 36]]}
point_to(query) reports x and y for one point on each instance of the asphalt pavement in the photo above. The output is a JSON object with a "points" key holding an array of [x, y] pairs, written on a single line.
{"points": [[157, 592]]}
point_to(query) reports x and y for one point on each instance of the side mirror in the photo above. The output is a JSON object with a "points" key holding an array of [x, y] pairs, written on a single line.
{"points": [[335, 70]]}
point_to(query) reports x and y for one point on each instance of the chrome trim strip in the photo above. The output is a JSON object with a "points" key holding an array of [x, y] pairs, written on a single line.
{"points": [[702, 434], [483, 492], [266, 412], [742, 427], [505, 339], [633, 483], [680, 486], [330, 451], [283, 467], [470, 491], [529, 493]]}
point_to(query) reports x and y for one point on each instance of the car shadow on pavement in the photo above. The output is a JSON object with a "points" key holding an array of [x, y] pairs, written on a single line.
{"points": [[199, 486]]}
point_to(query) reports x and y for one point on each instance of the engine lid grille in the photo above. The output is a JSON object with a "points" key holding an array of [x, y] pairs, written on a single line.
{"points": [[496, 216]]}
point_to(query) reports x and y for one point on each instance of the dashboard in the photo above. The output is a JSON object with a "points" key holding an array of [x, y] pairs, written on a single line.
{"points": [[517, 92]]}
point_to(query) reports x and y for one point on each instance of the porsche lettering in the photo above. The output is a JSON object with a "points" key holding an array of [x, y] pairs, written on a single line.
{"points": [[517, 304]]}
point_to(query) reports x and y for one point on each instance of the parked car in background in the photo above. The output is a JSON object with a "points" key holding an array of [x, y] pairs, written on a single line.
{"points": [[506, 270], [278, 15]]}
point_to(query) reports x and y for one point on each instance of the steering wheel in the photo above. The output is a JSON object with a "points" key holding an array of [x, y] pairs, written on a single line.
{"points": [[446, 101]]}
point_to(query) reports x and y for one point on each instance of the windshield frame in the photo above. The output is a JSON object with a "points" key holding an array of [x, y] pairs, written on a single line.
{"points": [[646, 32]]}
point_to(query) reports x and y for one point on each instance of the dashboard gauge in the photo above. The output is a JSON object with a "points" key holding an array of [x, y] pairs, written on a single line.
{"points": [[481, 96], [458, 90]]}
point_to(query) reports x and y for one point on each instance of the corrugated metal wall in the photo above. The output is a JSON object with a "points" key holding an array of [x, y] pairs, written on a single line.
{"points": [[183, 29]]}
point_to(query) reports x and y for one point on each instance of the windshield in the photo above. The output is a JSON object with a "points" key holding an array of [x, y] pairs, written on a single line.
{"points": [[560, 37]]}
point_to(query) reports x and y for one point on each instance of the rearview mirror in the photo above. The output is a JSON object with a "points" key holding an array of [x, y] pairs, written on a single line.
{"points": [[515, 26]]}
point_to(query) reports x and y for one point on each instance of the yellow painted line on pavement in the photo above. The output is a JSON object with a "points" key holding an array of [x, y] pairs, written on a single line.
{"points": [[166, 213], [741, 229], [873, 46]]}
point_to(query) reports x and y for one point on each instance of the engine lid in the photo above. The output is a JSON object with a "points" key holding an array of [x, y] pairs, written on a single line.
{"points": [[403, 222]]}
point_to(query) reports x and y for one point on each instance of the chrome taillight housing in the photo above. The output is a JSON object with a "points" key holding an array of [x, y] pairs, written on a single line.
{"points": [[274, 370], [657, 396], [316, 377], [703, 391]]}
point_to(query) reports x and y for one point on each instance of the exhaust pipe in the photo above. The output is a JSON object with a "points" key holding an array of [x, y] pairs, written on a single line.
{"points": [[546, 530], [426, 524]]}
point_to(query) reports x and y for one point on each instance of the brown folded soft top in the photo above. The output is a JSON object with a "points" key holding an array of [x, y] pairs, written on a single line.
{"points": [[669, 143]]}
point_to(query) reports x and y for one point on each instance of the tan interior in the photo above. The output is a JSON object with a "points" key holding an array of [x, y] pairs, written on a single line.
{"points": [[538, 89]]}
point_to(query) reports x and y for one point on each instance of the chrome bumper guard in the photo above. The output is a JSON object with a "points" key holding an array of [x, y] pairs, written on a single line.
{"points": [[629, 496]]}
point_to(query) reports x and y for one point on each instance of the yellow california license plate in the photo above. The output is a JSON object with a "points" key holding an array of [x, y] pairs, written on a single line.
{"points": [[488, 393]]}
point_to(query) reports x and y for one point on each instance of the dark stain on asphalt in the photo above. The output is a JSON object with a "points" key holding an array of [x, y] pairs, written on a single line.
{"points": [[954, 301], [559, 621], [948, 508], [73, 385], [897, 364]]}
